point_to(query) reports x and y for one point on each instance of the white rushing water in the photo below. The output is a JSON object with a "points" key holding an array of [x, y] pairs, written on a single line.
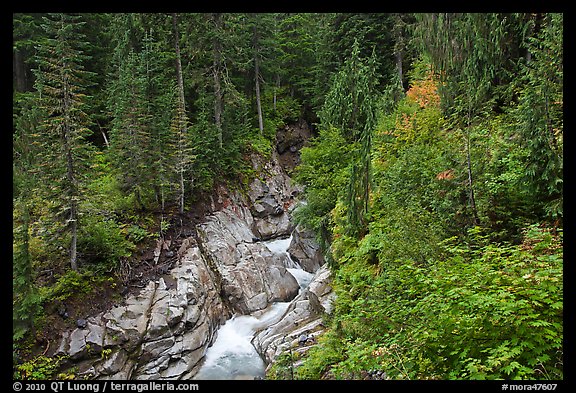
{"points": [[232, 356]]}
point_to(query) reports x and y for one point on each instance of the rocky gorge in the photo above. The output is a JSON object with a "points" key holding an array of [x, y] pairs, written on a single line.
{"points": [[221, 269]]}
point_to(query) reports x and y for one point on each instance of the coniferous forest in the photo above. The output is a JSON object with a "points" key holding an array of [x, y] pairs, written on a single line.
{"points": [[432, 181]]}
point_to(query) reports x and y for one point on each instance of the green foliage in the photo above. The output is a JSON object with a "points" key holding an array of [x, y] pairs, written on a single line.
{"points": [[350, 107], [328, 351], [102, 240], [137, 234], [484, 311], [25, 298], [283, 366], [69, 284], [389, 179], [39, 368], [539, 116], [323, 172]]}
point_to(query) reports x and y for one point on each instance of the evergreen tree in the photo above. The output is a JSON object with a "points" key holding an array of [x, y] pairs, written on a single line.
{"points": [[296, 42], [351, 107], [25, 297], [179, 149], [540, 115], [130, 134], [179, 125], [466, 50], [60, 80], [140, 100]]}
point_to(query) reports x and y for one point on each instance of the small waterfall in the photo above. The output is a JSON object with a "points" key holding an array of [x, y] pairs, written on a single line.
{"points": [[280, 246], [232, 356]]}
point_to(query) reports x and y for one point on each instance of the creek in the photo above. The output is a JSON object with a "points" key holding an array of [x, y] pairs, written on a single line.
{"points": [[232, 355]]}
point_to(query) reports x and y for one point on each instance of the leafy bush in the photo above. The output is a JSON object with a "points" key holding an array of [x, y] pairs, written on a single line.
{"points": [[484, 311], [323, 172], [69, 284], [137, 234]]}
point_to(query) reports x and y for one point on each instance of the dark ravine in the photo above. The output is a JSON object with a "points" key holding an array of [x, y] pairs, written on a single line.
{"points": [[224, 269]]}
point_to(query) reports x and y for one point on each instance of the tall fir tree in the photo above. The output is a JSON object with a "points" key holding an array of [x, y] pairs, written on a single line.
{"points": [[351, 106], [25, 297], [467, 53], [60, 82], [539, 114]]}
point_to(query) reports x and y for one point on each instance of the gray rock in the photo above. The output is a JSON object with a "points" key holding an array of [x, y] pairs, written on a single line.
{"points": [[81, 323], [77, 344], [154, 327], [252, 277], [303, 318], [305, 250], [113, 363], [95, 336], [163, 331]]}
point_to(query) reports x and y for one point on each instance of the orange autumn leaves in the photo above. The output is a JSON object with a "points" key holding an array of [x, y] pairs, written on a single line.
{"points": [[422, 96], [417, 119], [424, 92]]}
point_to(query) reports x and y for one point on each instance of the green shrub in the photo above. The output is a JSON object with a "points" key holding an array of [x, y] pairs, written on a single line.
{"points": [[69, 284], [137, 234], [484, 311], [39, 368], [101, 240]]}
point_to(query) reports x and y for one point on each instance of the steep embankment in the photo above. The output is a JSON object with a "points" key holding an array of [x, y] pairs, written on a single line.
{"points": [[221, 269]]}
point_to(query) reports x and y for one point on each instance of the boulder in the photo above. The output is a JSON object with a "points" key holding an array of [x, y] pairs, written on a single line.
{"points": [[270, 199], [305, 250]]}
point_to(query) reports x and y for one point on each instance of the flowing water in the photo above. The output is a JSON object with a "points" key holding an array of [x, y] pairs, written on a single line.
{"points": [[232, 356]]}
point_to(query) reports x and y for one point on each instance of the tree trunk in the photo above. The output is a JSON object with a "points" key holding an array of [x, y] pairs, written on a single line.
{"points": [[258, 103], [217, 71], [257, 76], [182, 191], [179, 77], [181, 111], [70, 173], [19, 71], [398, 57], [471, 197], [74, 230], [73, 195], [276, 90], [28, 263]]}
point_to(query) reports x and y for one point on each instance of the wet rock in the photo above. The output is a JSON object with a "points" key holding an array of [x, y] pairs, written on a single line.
{"points": [[164, 330], [303, 318], [252, 277], [77, 344], [270, 198], [113, 363]]}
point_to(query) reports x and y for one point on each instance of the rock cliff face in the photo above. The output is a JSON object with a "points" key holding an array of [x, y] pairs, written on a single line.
{"points": [[160, 333], [164, 331], [252, 277]]}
